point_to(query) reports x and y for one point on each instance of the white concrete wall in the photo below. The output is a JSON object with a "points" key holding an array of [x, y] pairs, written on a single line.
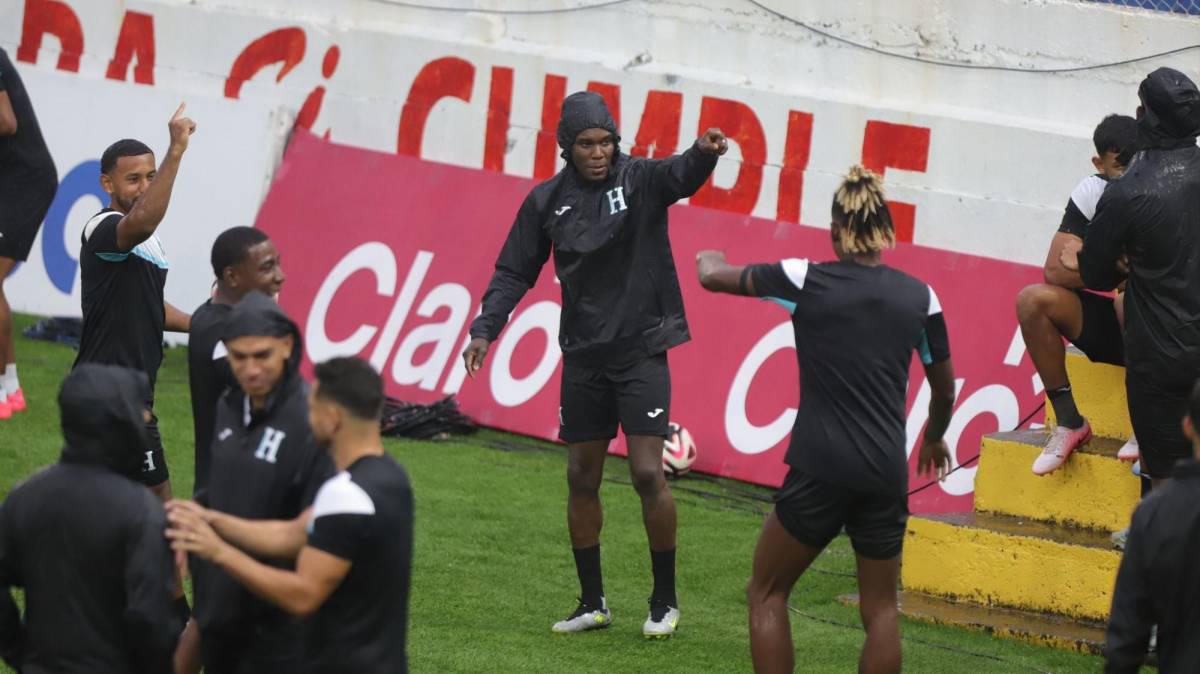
{"points": [[1005, 148]]}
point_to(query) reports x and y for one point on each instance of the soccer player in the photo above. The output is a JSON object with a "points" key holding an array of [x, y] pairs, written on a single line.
{"points": [[1151, 215], [124, 269], [243, 259], [857, 323], [1157, 583], [85, 541], [28, 181], [1061, 307], [266, 465], [605, 218], [353, 567]]}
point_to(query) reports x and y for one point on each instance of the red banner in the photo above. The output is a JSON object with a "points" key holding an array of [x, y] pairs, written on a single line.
{"points": [[388, 257]]}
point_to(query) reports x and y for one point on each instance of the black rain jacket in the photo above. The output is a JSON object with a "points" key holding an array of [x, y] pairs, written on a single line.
{"points": [[620, 290], [1158, 582], [86, 542], [1152, 213]]}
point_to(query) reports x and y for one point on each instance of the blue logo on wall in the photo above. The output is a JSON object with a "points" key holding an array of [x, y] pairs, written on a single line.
{"points": [[82, 181]]}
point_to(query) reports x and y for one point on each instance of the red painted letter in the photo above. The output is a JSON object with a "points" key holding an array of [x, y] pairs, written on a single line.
{"points": [[741, 126], [285, 46], [495, 142], [312, 105], [795, 161], [897, 146], [545, 159], [611, 93], [658, 134], [137, 38], [57, 19], [447, 77]]}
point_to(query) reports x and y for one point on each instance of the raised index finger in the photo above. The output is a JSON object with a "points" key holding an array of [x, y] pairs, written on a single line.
{"points": [[179, 112]]}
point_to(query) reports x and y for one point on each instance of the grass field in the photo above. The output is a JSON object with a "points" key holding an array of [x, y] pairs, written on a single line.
{"points": [[493, 567]]}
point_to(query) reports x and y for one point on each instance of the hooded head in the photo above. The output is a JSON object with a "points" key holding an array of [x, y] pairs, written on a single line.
{"points": [[263, 344], [104, 416], [1169, 116], [588, 135]]}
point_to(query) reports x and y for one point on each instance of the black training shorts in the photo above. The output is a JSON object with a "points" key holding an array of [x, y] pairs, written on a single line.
{"points": [[20, 219], [1157, 405], [814, 512], [154, 457], [596, 398], [1100, 339]]}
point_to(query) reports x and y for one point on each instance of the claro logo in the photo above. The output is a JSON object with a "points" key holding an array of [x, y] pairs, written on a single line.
{"points": [[442, 364]]}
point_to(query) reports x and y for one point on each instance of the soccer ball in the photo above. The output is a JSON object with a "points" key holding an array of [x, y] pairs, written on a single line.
{"points": [[679, 451]]}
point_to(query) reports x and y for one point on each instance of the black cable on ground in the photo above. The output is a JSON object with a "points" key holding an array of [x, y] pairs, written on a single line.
{"points": [[975, 458]]}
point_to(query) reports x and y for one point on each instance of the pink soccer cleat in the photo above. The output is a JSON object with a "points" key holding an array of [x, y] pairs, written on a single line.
{"points": [[6, 410], [1059, 446]]}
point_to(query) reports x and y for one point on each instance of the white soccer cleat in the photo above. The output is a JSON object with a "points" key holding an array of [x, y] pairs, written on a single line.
{"points": [[662, 621], [1130, 450], [585, 618], [1059, 445]]}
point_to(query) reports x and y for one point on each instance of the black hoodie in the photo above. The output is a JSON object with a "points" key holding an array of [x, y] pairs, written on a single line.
{"points": [[86, 542], [265, 465], [620, 291], [1152, 213]]}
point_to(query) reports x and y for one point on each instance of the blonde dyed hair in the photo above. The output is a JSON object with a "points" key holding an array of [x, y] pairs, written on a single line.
{"points": [[863, 221]]}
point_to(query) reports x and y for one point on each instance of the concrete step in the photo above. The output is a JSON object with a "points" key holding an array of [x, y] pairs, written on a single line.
{"points": [[1094, 489], [1099, 391], [1084, 636], [998, 560]]}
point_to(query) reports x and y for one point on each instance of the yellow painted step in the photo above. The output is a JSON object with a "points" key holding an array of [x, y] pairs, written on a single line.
{"points": [[1084, 636], [1099, 391], [994, 560], [1094, 489]]}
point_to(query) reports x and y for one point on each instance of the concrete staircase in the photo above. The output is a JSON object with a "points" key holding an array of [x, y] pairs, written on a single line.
{"points": [[1034, 560]]}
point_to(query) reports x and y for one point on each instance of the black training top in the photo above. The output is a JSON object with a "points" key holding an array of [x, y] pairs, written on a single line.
{"points": [[208, 377], [265, 465], [1157, 583], [27, 174], [364, 515], [1081, 207], [123, 310], [856, 329]]}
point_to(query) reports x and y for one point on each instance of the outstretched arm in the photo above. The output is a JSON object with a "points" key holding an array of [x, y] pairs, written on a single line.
{"points": [[718, 276], [268, 539], [143, 219], [177, 320], [679, 176]]}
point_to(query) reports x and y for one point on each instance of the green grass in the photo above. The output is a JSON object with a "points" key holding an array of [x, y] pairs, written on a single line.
{"points": [[493, 567]]}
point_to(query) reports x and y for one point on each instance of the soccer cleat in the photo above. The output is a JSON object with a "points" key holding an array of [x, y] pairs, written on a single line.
{"points": [[1119, 538], [6, 410], [17, 401], [662, 621], [585, 618], [1059, 446], [1129, 451]]}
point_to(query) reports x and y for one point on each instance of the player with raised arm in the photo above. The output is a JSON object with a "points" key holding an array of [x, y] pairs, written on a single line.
{"points": [[604, 217], [857, 323], [123, 268]]}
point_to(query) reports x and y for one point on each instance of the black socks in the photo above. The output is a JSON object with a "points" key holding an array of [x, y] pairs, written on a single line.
{"points": [[1065, 413], [662, 562], [587, 565]]}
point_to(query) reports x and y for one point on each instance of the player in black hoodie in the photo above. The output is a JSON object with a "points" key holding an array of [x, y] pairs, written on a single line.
{"points": [[98, 580], [604, 216], [1152, 213], [265, 464]]}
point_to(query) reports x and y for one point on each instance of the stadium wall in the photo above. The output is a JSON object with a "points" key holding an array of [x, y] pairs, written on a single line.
{"points": [[978, 161]]}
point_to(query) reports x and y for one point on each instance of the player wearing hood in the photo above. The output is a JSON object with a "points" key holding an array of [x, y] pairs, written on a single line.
{"points": [[265, 464], [98, 592], [604, 217], [1152, 214]]}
